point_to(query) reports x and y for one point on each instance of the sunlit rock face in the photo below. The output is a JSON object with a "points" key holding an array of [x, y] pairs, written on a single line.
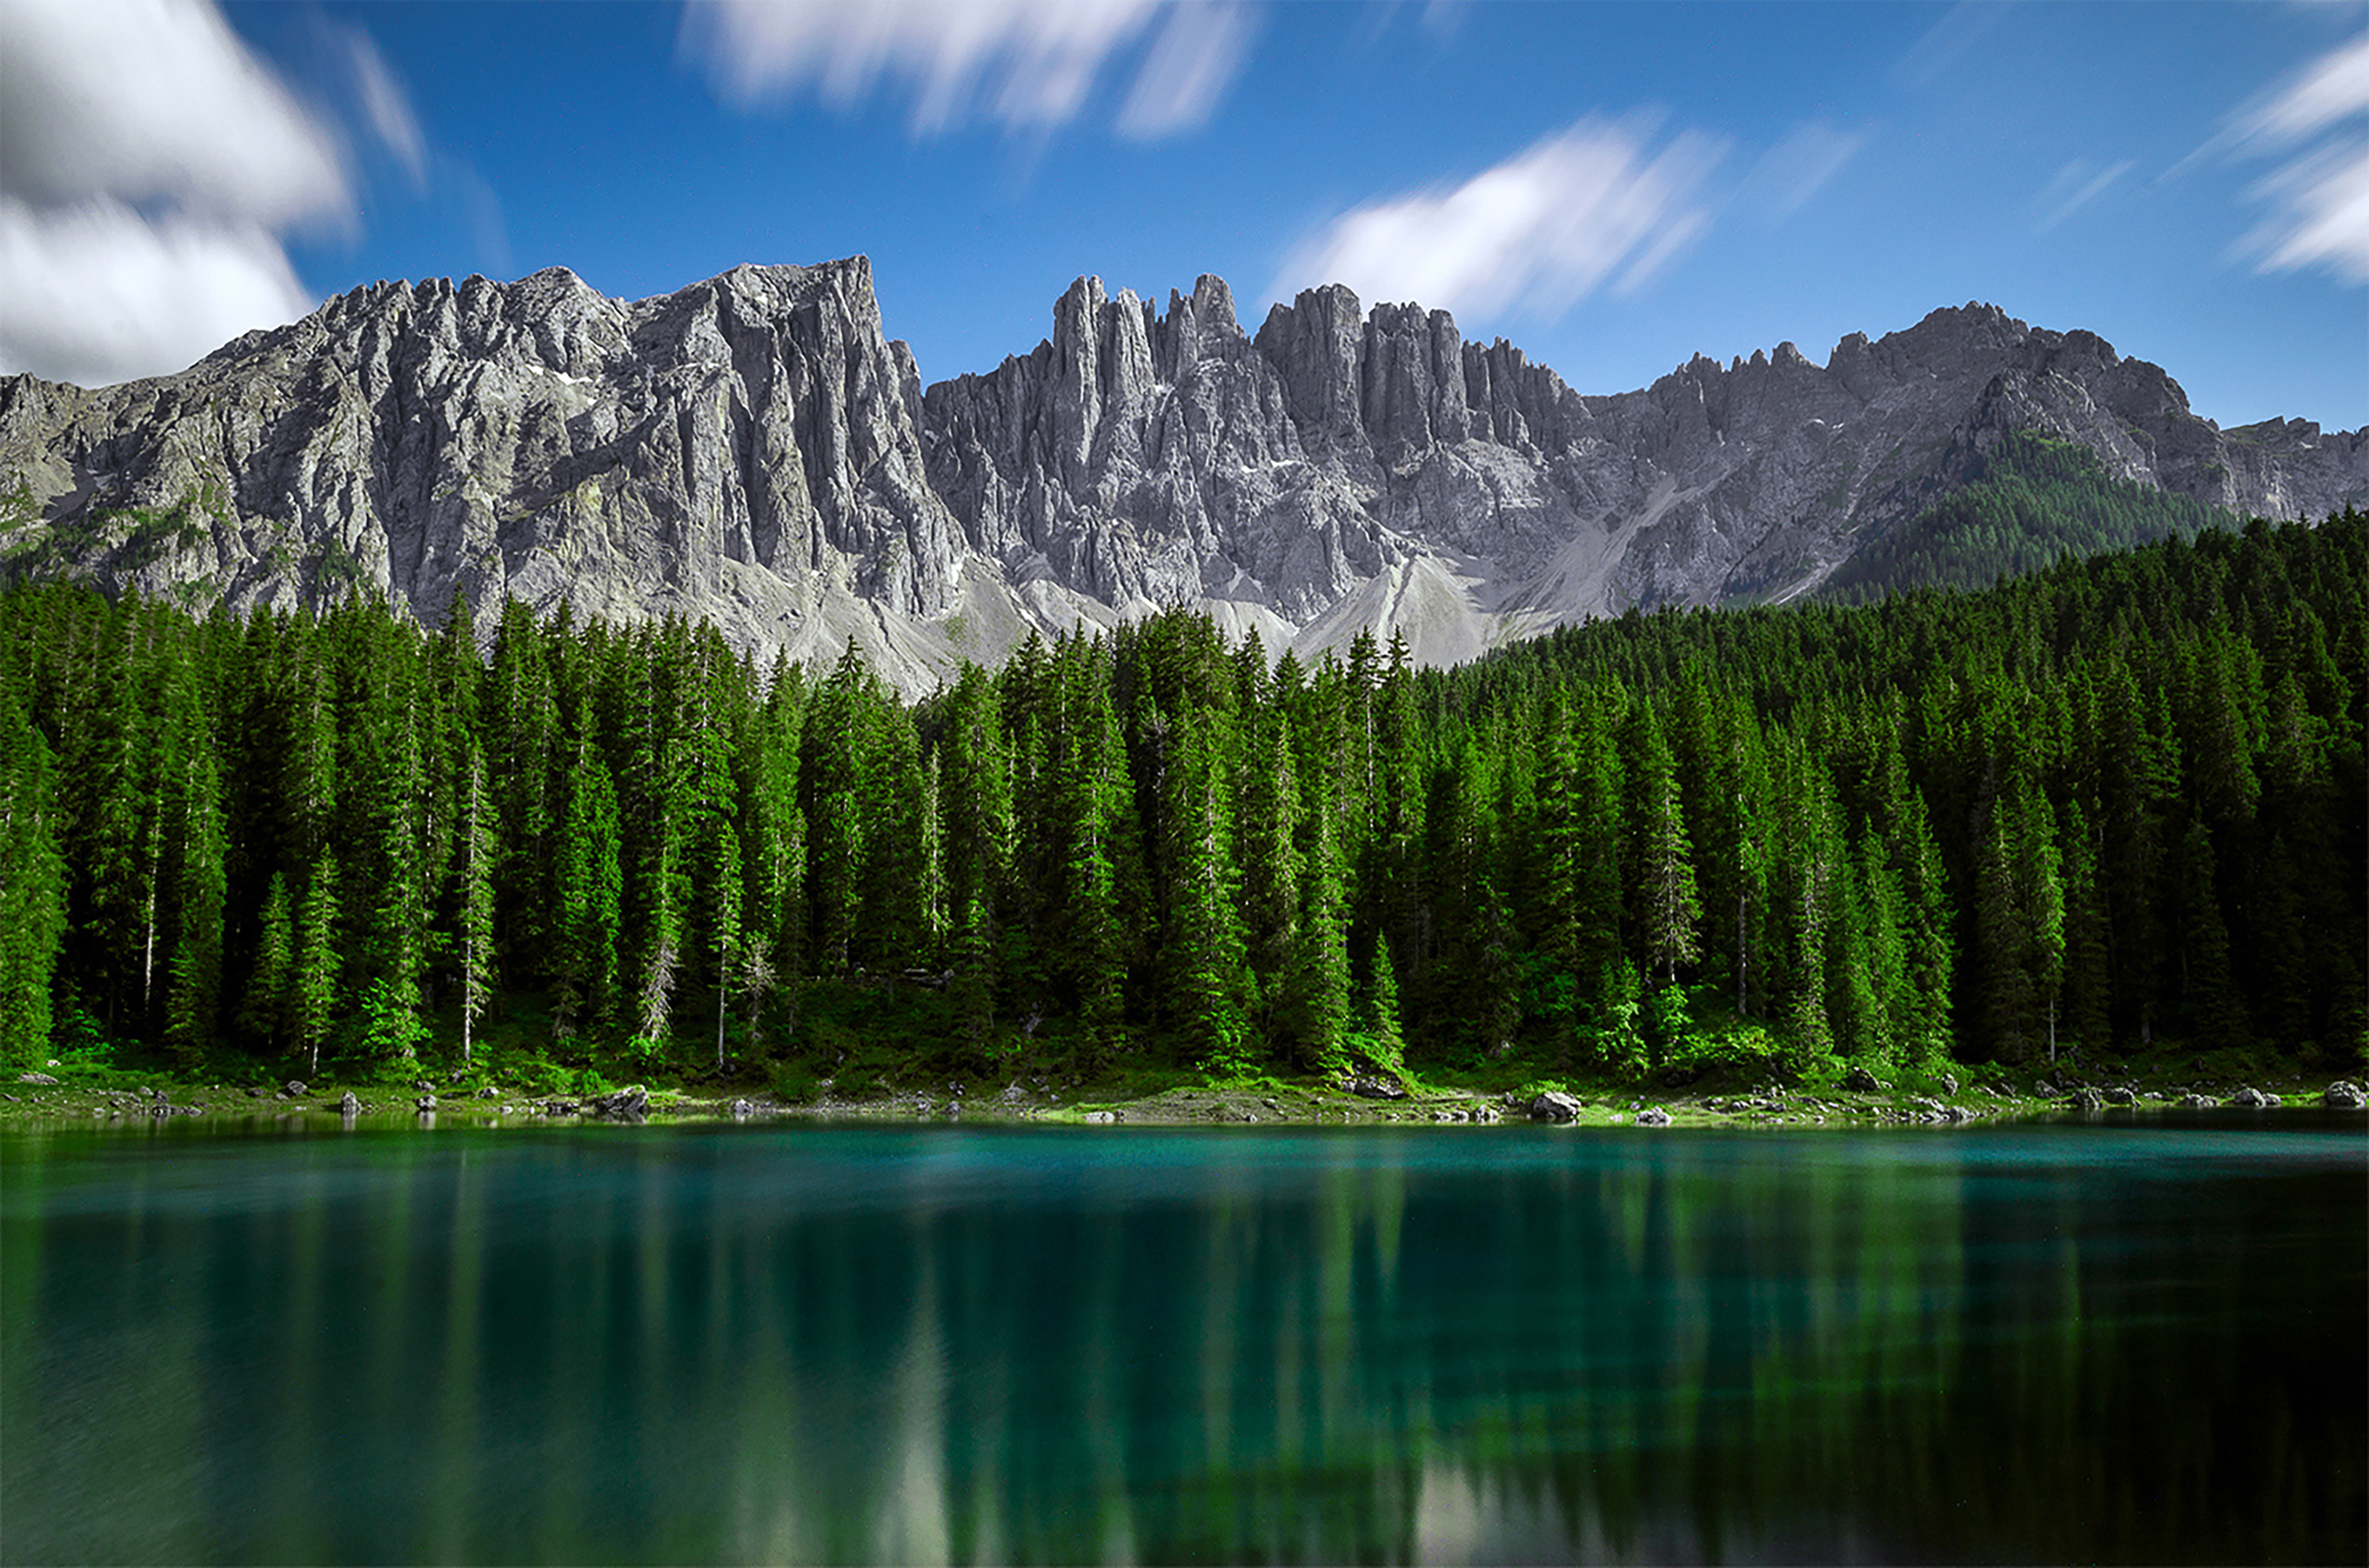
{"points": [[754, 451]]}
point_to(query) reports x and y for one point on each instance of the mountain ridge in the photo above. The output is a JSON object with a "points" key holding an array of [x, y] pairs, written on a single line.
{"points": [[755, 451]]}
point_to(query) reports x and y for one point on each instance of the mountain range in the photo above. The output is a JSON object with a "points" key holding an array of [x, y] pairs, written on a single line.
{"points": [[755, 451]]}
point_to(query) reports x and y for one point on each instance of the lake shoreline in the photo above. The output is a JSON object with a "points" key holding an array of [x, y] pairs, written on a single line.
{"points": [[126, 1100]]}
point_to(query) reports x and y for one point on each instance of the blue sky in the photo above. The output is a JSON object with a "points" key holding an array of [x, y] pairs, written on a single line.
{"points": [[1613, 187]]}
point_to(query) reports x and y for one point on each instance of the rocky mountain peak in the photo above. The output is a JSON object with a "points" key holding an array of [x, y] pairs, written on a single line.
{"points": [[754, 450]]}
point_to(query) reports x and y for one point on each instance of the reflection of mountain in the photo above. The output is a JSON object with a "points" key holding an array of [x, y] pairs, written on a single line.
{"points": [[1046, 1347], [756, 451]]}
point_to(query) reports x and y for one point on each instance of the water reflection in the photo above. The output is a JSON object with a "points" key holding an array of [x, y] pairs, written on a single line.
{"points": [[995, 1345]]}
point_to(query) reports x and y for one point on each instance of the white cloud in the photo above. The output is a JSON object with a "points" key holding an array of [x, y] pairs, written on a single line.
{"points": [[379, 97], [1024, 63], [148, 163], [2319, 196], [2075, 185], [154, 100], [1196, 59], [2323, 217], [1960, 28], [97, 293], [1797, 168], [1540, 231]]}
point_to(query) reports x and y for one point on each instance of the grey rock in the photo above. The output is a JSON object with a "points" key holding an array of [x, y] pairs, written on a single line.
{"points": [[2194, 1102], [489, 1093], [754, 451], [2120, 1094], [1859, 1080], [349, 1103], [426, 1104], [1375, 1087], [294, 1088], [742, 1110], [1949, 1083], [1653, 1116], [2345, 1095], [35, 1077], [631, 1104], [2249, 1098], [2084, 1099], [1555, 1106], [1102, 1118]]}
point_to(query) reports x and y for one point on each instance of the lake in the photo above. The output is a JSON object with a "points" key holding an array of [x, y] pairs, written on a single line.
{"points": [[2136, 1340]]}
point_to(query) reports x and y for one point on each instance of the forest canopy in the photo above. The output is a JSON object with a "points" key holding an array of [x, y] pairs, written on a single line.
{"points": [[2114, 803]]}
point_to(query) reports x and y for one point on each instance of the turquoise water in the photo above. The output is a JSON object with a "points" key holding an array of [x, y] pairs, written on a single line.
{"points": [[2134, 1341]]}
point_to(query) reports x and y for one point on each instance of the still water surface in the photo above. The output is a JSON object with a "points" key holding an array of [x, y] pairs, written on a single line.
{"points": [[2134, 1342]]}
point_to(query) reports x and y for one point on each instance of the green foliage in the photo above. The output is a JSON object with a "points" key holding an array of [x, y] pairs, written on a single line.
{"points": [[2111, 804], [2033, 501]]}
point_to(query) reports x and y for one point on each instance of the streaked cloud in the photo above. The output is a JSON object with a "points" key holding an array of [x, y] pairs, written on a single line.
{"points": [[380, 99], [1939, 50], [99, 292], [1021, 63], [155, 100], [2318, 195], [1197, 56], [149, 166], [2075, 185], [1789, 174], [1593, 205]]}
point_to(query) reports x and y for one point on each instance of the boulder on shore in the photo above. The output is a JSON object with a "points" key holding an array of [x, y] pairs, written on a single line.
{"points": [[1555, 1106], [631, 1104], [1653, 1116], [2345, 1095]]}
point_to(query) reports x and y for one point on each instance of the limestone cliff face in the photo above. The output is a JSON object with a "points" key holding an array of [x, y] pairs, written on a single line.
{"points": [[743, 450], [753, 450], [1350, 468]]}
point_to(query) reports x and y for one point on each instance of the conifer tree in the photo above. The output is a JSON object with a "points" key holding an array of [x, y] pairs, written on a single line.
{"points": [[475, 851], [264, 1008], [195, 850], [589, 876], [1207, 971], [313, 984], [1667, 911], [32, 883]]}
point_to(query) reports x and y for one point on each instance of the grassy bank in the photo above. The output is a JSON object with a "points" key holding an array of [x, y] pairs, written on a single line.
{"points": [[506, 1087]]}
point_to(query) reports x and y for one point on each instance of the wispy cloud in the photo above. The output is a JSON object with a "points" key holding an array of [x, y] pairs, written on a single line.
{"points": [[101, 292], [1789, 174], [1961, 28], [2318, 195], [1595, 203], [154, 100], [1021, 63], [151, 166], [2076, 185], [1199, 52], [148, 163], [380, 99]]}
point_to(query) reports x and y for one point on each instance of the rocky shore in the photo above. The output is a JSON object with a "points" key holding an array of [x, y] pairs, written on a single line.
{"points": [[1862, 1099]]}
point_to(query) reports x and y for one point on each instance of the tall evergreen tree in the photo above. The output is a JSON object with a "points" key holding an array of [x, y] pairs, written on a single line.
{"points": [[32, 883], [475, 852]]}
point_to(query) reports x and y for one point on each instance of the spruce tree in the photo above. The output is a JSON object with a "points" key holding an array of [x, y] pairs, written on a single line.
{"points": [[313, 983], [32, 883], [475, 854]]}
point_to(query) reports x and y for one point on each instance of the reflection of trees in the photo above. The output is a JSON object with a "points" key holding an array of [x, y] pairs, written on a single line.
{"points": [[900, 1348]]}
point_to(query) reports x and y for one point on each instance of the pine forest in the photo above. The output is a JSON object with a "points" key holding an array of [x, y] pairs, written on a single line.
{"points": [[2112, 805]]}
